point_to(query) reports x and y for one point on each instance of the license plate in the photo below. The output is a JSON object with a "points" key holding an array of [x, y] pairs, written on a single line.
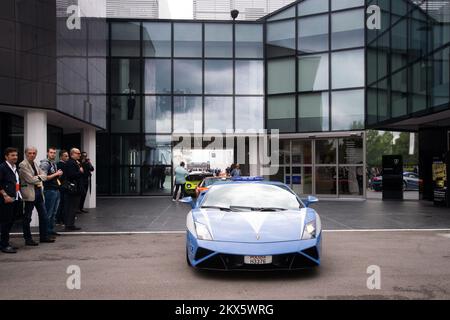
{"points": [[258, 259]]}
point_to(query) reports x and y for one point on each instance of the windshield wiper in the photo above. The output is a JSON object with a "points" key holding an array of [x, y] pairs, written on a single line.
{"points": [[216, 207], [264, 209]]}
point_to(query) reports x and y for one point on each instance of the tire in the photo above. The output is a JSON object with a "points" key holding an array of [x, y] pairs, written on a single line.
{"points": [[405, 186], [187, 260]]}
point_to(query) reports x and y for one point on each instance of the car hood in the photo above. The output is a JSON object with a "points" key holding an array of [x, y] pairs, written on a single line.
{"points": [[252, 227]]}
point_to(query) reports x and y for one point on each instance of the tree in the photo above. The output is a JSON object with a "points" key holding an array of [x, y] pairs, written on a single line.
{"points": [[378, 144]]}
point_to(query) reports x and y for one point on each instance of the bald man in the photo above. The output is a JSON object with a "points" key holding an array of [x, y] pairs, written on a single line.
{"points": [[74, 174]]}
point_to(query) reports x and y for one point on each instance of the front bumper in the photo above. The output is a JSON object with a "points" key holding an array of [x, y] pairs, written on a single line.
{"points": [[219, 255]]}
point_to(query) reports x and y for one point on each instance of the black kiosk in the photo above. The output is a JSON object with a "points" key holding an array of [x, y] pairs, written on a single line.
{"points": [[392, 177]]}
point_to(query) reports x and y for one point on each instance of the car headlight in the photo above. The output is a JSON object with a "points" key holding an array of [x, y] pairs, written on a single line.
{"points": [[202, 231], [188, 186], [309, 231]]}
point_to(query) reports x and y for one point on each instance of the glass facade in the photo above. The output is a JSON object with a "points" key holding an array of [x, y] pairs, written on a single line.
{"points": [[408, 62], [316, 57], [175, 77]]}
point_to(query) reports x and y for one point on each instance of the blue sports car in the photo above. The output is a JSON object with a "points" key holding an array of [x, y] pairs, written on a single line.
{"points": [[252, 224]]}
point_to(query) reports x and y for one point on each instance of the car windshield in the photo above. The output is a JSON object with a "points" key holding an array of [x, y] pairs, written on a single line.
{"points": [[250, 197]]}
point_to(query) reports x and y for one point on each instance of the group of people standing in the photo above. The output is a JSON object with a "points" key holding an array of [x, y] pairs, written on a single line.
{"points": [[57, 190]]}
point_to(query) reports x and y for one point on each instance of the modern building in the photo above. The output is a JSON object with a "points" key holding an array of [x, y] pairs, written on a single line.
{"points": [[249, 9], [143, 9], [310, 70]]}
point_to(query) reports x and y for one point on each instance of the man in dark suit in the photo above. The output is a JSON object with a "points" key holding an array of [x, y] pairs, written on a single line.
{"points": [[74, 175], [11, 199]]}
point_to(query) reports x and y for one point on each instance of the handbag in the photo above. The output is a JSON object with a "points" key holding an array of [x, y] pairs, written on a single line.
{"points": [[69, 187]]}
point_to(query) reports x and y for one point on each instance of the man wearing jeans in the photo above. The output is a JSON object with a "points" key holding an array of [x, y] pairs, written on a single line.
{"points": [[31, 188], [180, 180], [51, 189]]}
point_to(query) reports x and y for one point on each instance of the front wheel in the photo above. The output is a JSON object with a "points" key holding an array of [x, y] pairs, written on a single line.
{"points": [[187, 260]]}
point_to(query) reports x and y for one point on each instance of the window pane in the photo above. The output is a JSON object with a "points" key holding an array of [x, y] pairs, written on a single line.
{"points": [[399, 45], [313, 73], [399, 93], [125, 114], [287, 13], [249, 113], [326, 181], [301, 152], [351, 181], [348, 110], [126, 181], [347, 63], [440, 78], [218, 40], [218, 113], [158, 76], [126, 150], [351, 150], [249, 41], [311, 7], [187, 76], [281, 113], [418, 78], [158, 114], [343, 4], [281, 76], [125, 39], [326, 151], [187, 40], [157, 39], [187, 113], [313, 34], [249, 77], [218, 76], [158, 150], [313, 112], [281, 38], [157, 179], [347, 29], [125, 76]]}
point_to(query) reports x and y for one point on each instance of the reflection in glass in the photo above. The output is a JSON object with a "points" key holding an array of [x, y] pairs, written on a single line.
{"points": [[347, 29], [158, 114], [313, 34], [218, 76], [301, 152], [313, 112], [281, 76], [187, 76], [249, 77], [249, 41], [157, 39], [399, 53], [156, 180], [399, 93], [345, 63], [348, 110], [301, 180], [344, 4], [187, 40], [281, 38], [126, 180], [218, 40], [158, 76], [312, 7], [125, 114], [125, 76], [313, 72], [326, 151], [218, 114], [281, 113], [249, 113], [418, 78], [440, 78], [326, 180], [125, 150], [351, 181], [351, 150], [125, 39], [157, 150], [187, 114]]}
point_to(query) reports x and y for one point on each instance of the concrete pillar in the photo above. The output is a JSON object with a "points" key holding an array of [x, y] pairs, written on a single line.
{"points": [[88, 144], [35, 135]]}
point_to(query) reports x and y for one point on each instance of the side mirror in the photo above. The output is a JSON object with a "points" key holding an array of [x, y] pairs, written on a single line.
{"points": [[311, 200], [188, 200]]}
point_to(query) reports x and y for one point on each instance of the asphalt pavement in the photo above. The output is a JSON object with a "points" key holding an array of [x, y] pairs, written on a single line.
{"points": [[413, 265]]}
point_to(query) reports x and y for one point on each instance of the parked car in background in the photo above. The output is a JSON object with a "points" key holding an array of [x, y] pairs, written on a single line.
{"points": [[411, 182], [193, 180]]}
